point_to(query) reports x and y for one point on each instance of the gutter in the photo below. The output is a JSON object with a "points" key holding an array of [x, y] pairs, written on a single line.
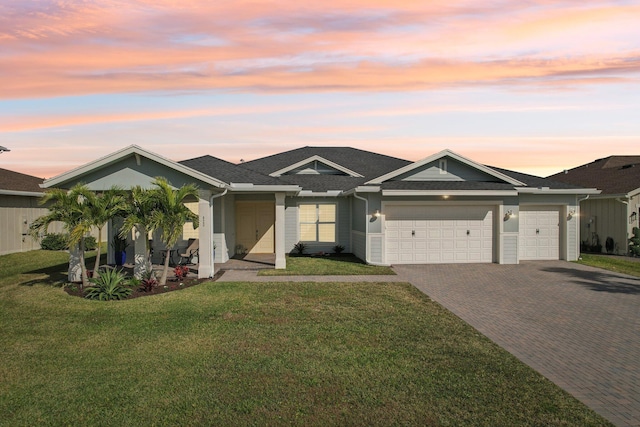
{"points": [[213, 250]]}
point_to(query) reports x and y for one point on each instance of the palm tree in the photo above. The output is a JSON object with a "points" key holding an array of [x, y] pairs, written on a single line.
{"points": [[170, 214], [71, 207], [138, 213], [102, 208]]}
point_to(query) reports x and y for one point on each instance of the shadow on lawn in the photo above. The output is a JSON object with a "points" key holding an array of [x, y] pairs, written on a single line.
{"points": [[600, 281], [56, 275]]}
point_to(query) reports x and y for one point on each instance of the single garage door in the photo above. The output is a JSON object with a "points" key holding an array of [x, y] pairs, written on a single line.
{"points": [[418, 234], [539, 232]]}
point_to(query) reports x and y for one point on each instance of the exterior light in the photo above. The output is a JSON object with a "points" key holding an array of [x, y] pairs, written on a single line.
{"points": [[508, 215]]}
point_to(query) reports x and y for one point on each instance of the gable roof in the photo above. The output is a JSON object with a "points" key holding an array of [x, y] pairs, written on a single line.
{"points": [[18, 183], [227, 171], [614, 175], [316, 158], [361, 162], [442, 154], [137, 152]]}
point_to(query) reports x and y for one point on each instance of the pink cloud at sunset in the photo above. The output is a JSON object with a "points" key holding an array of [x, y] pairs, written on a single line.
{"points": [[504, 81]]}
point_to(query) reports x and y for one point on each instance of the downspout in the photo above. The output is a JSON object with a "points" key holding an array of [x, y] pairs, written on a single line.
{"points": [[213, 243], [366, 226]]}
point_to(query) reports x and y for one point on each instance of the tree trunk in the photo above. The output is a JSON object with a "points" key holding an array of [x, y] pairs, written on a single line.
{"points": [[98, 249], [165, 271], [83, 267]]}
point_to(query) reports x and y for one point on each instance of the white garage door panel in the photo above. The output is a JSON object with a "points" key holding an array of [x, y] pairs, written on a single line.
{"points": [[438, 234], [539, 232]]}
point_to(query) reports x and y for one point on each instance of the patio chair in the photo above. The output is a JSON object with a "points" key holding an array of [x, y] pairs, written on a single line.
{"points": [[190, 252]]}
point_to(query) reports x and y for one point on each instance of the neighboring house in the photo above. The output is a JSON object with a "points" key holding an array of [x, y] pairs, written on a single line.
{"points": [[614, 212], [19, 197], [442, 209]]}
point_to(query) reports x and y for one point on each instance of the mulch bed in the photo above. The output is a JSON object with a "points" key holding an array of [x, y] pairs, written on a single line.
{"points": [[172, 285]]}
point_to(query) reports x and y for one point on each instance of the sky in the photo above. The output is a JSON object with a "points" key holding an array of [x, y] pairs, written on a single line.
{"points": [[535, 86]]}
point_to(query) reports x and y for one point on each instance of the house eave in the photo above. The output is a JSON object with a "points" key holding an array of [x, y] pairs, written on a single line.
{"points": [[449, 193], [245, 187], [546, 190], [362, 189], [309, 193], [21, 193]]}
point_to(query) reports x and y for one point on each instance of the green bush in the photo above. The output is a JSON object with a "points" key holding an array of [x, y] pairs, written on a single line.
{"points": [[90, 243], [634, 242], [55, 242], [108, 285]]}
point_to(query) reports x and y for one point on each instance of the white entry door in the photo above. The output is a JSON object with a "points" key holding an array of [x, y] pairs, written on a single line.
{"points": [[539, 232], [423, 234]]}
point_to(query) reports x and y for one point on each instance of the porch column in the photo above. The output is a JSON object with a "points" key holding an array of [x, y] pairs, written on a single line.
{"points": [[281, 261], [141, 264], [205, 235]]}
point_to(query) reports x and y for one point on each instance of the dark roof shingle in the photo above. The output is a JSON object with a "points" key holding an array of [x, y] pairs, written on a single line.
{"points": [[16, 181], [612, 175]]}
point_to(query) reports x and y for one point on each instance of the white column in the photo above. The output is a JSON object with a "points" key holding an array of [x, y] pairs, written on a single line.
{"points": [[141, 264], [111, 231], [205, 235], [281, 261], [75, 269]]}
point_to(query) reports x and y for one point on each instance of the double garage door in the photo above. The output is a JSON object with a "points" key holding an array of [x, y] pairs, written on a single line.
{"points": [[423, 234]]}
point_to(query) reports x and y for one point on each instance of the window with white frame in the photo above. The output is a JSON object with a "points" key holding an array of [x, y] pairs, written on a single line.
{"points": [[317, 222]]}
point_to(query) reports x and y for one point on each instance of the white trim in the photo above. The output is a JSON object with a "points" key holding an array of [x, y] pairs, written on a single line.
{"points": [[319, 159], [361, 189], [136, 151], [441, 154], [20, 193], [547, 190], [449, 193], [309, 193], [245, 186]]}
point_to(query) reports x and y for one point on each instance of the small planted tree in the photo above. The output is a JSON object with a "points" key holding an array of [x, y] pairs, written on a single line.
{"points": [[103, 207], [634, 242], [139, 214], [170, 214], [71, 208]]}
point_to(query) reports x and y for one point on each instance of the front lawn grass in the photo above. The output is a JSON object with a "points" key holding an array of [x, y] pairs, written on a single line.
{"points": [[260, 354], [612, 263], [328, 265]]}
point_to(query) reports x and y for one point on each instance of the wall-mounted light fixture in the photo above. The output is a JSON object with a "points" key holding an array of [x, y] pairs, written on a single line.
{"points": [[633, 217], [376, 214], [508, 215], [446, 196], [571, 214]]}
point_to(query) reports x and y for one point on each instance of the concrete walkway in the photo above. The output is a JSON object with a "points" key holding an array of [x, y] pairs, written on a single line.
{"points": [[576, 325]]}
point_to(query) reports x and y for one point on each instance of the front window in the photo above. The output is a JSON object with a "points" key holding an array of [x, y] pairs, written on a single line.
{"points": [[318, 222]]}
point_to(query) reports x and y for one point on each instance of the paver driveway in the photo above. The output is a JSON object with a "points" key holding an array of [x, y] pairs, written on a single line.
{"points": [[578, 326]]}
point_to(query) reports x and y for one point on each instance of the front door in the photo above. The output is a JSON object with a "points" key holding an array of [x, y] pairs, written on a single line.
{"points": [[255, 227]]}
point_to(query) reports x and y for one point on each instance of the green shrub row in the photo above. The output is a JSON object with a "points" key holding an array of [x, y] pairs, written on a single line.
{"points": [[60, 241]]}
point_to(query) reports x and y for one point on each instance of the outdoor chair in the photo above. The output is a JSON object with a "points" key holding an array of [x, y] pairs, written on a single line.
{"points": [[190, 252]]}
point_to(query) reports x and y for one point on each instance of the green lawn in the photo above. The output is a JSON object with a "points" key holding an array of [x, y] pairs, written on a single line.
{"points": [[612, 263], [334, 265], [257, 354]]}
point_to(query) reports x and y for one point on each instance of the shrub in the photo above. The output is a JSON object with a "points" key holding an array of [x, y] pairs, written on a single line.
{"points": [[634, 242], [55, 242], [181, 271], [108, 285], [90, 243], [338, 249], [300, 247], [148, 282]]}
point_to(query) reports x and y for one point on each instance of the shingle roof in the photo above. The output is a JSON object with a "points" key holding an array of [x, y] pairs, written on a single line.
{"points": [[228, 172], [16, 181], [536, 181], [612, 175], [365, 163]]}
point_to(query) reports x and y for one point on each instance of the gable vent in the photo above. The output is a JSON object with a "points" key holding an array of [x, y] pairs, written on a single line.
{"points": [[627, 166]]}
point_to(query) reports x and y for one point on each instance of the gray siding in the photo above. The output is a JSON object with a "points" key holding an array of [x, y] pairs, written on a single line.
{"points": [[510, 249], [343, 226], [376, 250], [604, 218], [16, 214], [359, 247], [455, 171]]}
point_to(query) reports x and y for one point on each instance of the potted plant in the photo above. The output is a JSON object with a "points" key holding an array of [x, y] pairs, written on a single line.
{"points": [[119, 246]]}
